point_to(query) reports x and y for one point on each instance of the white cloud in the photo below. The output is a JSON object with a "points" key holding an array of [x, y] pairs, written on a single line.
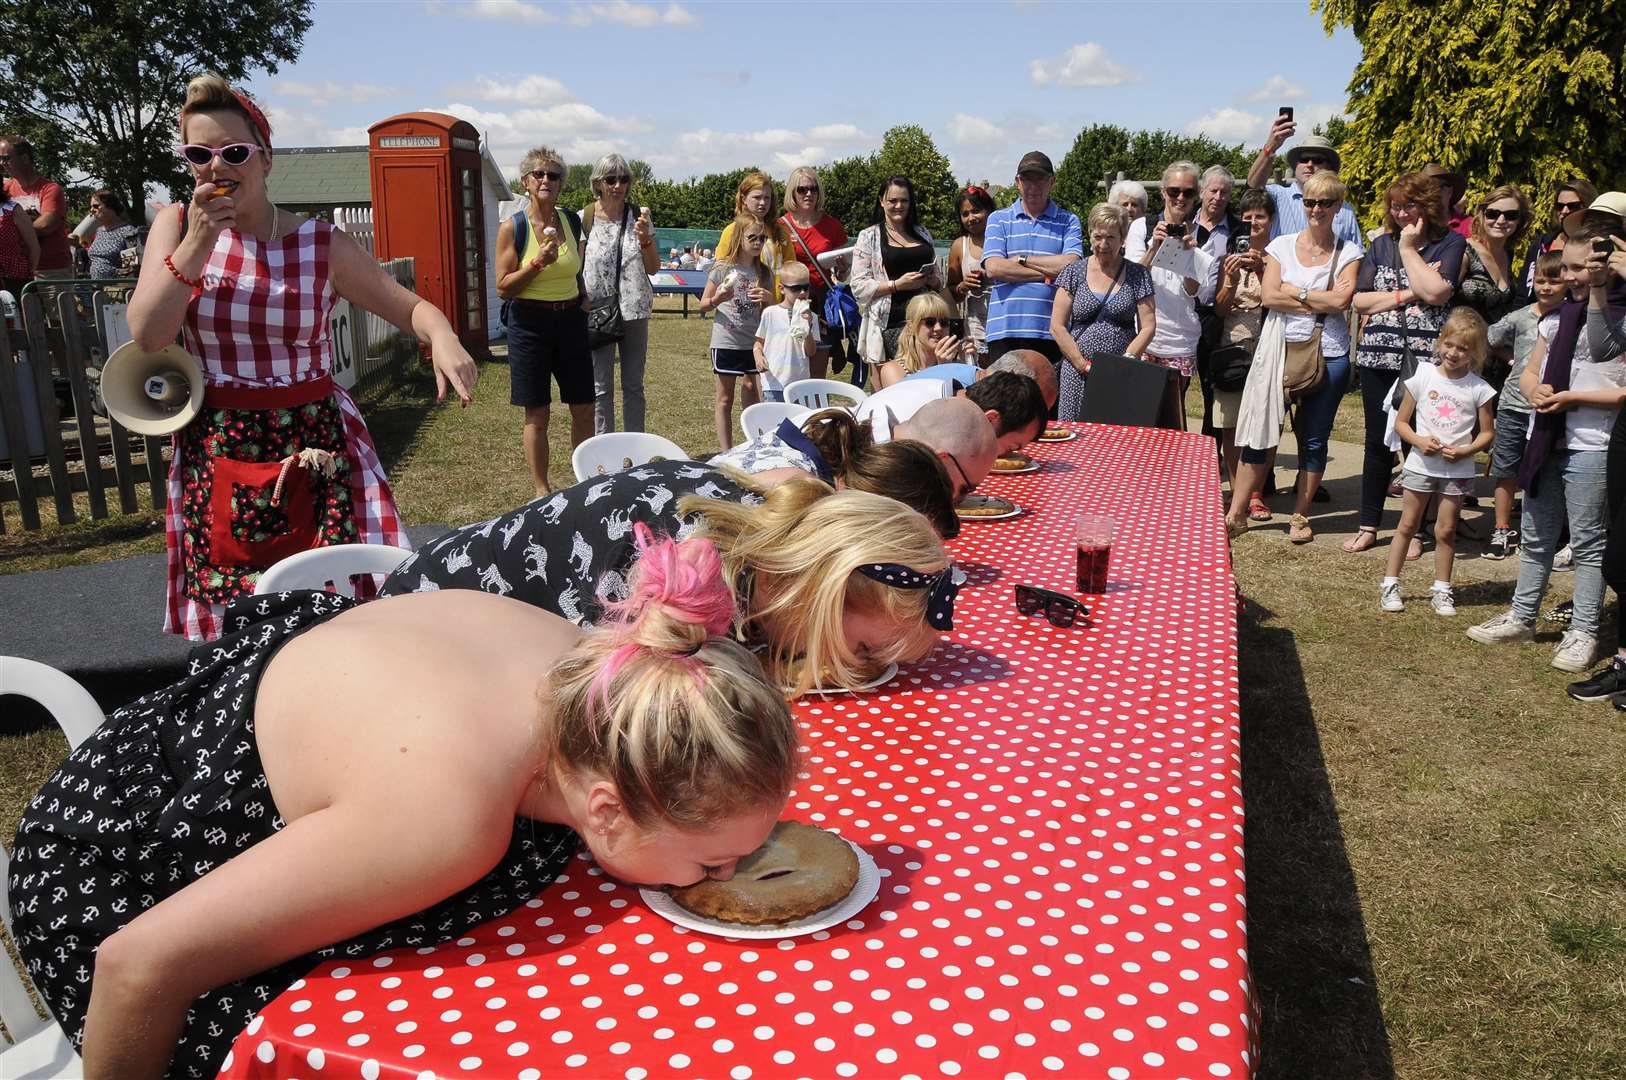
{"points": [[630, 14], [705, 150], [620, 12], [325, 93], [1230, 125], [1276, 90], [1082, 65], [530, 90], [835, 133], [291, 127], [975, 131]]}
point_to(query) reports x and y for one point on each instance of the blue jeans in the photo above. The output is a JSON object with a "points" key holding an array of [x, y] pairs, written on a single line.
{"points": [[1315, 416], [1571, 487]]}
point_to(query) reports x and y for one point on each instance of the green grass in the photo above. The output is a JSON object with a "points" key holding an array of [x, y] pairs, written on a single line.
{"points": [[1436, 836]]}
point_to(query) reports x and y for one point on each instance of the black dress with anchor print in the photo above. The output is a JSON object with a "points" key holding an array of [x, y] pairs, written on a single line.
{"points": [[170, 787], [569, 552]]}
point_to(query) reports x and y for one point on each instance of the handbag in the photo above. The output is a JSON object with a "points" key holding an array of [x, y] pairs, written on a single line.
{"points": [[604, 324], [1228, 367], [1304, 369]]}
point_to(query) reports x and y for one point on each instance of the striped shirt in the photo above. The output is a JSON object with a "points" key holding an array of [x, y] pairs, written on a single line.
{"points": [[1289, 200], [1023, 310]]}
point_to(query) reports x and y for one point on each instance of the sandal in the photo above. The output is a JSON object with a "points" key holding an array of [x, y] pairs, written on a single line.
{"points": [[1298, 529], [1415, 549], [1257, 510], [1354, 546], [1235, 529]]}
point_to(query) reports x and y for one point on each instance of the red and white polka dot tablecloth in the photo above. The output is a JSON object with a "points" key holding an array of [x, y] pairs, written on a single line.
{"points": [[1056, 814]]}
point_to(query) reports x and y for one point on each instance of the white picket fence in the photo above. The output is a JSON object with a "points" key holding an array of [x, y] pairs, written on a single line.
{"points": [[358, 222]]}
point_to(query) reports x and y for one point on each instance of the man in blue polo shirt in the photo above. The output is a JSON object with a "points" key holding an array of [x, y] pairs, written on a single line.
{"points": [[1309, 157], [1024, 247]]}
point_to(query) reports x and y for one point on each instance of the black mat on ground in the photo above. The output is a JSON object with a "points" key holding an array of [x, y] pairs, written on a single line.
{"points": [[101, 624]]}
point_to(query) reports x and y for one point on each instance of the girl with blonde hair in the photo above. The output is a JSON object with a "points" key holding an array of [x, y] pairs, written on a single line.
{"points": [[925, 342], [279, 459], [800, 558], [394, 774]]}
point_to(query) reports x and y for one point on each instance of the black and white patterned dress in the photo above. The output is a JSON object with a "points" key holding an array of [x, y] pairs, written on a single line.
{"points": [[568, 552], [170, 787]]}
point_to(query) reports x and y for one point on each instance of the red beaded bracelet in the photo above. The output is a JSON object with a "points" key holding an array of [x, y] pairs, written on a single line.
{"points": [[182, 278]]}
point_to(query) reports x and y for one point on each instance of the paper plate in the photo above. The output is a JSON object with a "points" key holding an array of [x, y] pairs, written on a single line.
{"points": [[867, 888], [887, 674], [1045, 436], [1031, 466]]}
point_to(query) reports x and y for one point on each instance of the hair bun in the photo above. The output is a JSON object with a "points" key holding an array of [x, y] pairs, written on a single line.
{"points": [[677, 597]]}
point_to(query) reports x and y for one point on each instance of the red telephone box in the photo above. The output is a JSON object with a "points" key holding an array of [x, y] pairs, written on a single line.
{"points": [[427, 185]]}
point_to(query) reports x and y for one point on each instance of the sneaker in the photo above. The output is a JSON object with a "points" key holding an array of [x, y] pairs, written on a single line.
{"points": [[1564, 560], [1504, 629], [1576, 652], [1503, 542], [1389, 598], [1602, 686], [1444, 603]]}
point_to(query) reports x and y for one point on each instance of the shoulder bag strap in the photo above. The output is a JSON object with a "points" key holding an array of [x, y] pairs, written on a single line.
{"points": [[620, 239], [1332, 274]]}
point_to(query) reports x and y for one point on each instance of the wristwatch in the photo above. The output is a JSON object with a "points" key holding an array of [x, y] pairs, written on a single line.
{"points": [[1022, 261], [1304, 296]]}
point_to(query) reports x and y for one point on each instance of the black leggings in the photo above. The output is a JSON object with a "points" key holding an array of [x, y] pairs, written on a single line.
{"points": [[1380, 460]]}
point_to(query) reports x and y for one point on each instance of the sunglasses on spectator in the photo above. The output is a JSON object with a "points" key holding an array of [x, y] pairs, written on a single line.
{"points": [[807, 191], [618, 180], [964, 479], [1314, 159], [1180, 192], [1568, 207], [236, 153], [1058, 609], [1320, 204], [547, 174], [932, 322], [1502, 215], [801, 288], [755, 238]]}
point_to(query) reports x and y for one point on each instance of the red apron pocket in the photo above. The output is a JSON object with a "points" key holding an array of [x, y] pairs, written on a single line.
{"points": [[247, 528]]}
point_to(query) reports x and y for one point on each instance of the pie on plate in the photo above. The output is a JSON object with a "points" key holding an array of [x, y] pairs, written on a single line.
{"points": [[1013, 463], [1057, 434], [799, 871], [984, 506]]}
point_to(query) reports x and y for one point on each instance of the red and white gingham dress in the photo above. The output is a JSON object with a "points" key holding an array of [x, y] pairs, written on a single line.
{"points": [[262, 321]]}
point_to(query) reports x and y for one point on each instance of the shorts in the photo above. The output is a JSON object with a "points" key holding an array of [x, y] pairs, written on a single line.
{"points": [[1507, 447], [734, 361], [1436, 485], [1185, 365], [1227, 408], [548, 343]]}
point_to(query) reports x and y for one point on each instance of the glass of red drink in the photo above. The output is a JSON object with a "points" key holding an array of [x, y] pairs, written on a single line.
{"points": [[1094, 552]]}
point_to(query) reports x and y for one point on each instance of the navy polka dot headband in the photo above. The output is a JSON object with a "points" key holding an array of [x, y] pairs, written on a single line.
{"points": [[943, 585]]}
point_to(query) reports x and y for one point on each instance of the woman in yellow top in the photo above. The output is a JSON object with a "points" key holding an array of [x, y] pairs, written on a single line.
{"points": [[758, 197], [547, 316]]}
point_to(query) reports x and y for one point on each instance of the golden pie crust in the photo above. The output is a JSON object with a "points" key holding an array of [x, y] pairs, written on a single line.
{"points": [[980, 506], [1055, 434], [799, 871], [1012, 463]]}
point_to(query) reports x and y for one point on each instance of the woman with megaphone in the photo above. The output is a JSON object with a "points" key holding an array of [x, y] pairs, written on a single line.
{"points": [[278, 459]]}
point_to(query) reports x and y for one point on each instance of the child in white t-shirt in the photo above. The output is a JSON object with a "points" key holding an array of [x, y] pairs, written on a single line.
{"points": [[788, 335], [1446, 417]]}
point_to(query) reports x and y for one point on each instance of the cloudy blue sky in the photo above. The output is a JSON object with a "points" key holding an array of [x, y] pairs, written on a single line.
{"points": [[697, 86]]}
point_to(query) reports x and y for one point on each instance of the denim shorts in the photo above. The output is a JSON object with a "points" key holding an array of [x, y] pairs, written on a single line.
{"points": [[1436, 485], [1507, 448]]}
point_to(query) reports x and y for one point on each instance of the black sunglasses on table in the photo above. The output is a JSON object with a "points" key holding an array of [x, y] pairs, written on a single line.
{"points": [[1059, 609]]}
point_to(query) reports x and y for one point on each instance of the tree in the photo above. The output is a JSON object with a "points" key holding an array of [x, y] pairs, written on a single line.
{"points": [[1511, 91], [907, 150], [1103, 150], [111, 76], [850, 189]]}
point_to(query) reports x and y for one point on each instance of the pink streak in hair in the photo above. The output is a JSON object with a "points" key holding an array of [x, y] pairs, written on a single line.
{"points": [[684, 579]]}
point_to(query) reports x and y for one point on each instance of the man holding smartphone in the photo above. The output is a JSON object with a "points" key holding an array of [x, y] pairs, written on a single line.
{"points": [[1309, 157]]}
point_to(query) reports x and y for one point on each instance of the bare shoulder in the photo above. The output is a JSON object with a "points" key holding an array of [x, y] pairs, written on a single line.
{"points": [[428, 691]]}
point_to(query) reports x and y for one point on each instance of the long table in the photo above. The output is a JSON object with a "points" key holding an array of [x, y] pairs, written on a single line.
{"points": [[1056, 815]]}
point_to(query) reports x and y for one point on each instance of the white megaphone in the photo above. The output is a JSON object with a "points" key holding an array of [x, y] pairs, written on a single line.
{"points": [[152, 393]]}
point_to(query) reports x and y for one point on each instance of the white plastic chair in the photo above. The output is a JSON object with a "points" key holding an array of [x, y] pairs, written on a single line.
{"points": [[818, 393], [765, 416], [316, 568], [902, 399], [617, 450], [40, 1049]]}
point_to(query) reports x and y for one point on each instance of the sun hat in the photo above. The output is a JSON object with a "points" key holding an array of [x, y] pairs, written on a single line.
{"points": [[1316, 143], [1455, 181], [1607, 214]]}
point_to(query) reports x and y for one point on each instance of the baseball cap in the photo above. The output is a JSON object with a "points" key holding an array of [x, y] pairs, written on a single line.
{"points": [[1607, 214], [1035, 161]]}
